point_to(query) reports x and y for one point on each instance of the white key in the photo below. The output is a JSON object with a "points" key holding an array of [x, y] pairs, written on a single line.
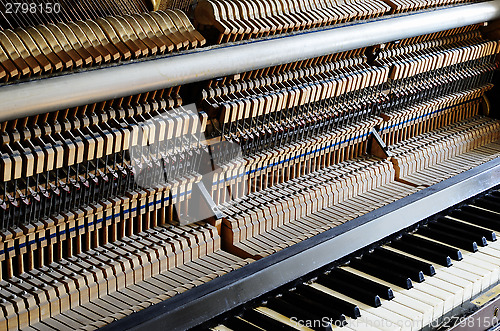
{"points": [[221, 328], [479, 261], [464, 284], [414, 319], [473, 279], [457, 291], [282, 318], [491, 251], [471, 283], [426, 304], [446, 296], [422, 302], [362, 323], [486, 254], [420, 311], [482, 260]]}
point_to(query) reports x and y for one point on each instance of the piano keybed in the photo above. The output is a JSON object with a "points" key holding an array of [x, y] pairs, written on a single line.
{"points": [[408, 282], [98, 202]]}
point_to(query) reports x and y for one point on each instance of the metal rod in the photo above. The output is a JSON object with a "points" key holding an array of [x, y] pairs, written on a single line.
{"points": [[80, 88]]}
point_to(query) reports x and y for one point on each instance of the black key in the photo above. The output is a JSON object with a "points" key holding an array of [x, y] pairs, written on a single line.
{"points": [[453, 253], [380, 289], [328, 300], [294, 311], [488, 234], [449, 239], [493, 196], [427, 268], [382, 273], [492, 200], [236, 323], [481, 211], [453, 230], [470, 215], [311, 305], [350, 290], [494, 193], [264, 321], [408, 271], [486, 204], [413, 245]]}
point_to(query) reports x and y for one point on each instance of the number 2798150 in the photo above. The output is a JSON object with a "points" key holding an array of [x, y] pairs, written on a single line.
{"points": [[32, 8]]}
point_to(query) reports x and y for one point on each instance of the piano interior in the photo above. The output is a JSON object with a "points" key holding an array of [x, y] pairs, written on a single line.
{"points": [[249, 165]]}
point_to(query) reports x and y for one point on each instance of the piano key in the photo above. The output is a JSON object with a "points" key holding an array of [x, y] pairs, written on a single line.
{"points": [[489, 235], [296, 311], [491, 212], [427, 268], [225, 328], [412, 319], [352, 290], [480, 261], [326, 300], [444, 237], [483, 261], [491, 252], [472, 216], [268, 319], [456, 231], [486, 204], [361, 324], [423, 252], [379, 271], [490, 259], [466, 286], [401, 296], [237, 323], [470, 282], [387, 319], [449, 299], [314, 306], [483, 275], [430, 306], [491, 197], [454, 290], [429, 250], [472, 265], [379, 289], [415, 274]]}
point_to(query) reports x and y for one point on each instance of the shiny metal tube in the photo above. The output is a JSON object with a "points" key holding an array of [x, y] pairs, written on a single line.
{"points": [[70, 90]]}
